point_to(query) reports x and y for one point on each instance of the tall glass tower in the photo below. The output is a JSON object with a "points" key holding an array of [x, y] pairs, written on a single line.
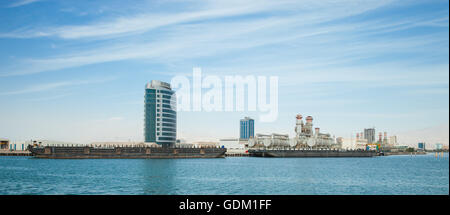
{"points": [[247, 128], [160, 114]]}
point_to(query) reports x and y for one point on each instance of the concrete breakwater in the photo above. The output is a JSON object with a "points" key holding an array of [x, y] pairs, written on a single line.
{"points": [[79, 152], [310, 153], [404, 153], [15, 153]]}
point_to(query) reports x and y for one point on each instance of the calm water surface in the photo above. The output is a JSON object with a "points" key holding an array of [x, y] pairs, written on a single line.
{"points": [[405, 174]]}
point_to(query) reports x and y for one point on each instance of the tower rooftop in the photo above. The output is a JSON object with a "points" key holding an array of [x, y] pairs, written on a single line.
{"points": [[155, 84]]}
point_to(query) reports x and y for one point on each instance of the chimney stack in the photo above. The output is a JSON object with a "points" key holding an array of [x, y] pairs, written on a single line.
{"points": [[309, 119]]}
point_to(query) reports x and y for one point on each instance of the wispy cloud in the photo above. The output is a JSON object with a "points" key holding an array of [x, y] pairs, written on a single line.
{"points": [[133, 24], [18, 3], [55, 85], [49, 98], [193, 40], [363, 61]]}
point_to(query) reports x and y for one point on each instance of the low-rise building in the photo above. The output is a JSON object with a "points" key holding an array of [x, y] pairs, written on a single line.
{"points": [[233, 143], [15, 146], [206, 144], [4, 144], [392, 140]]}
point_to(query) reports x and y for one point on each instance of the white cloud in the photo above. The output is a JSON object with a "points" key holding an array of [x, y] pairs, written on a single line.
{"points": [[49, 98], [18, 3], [193, 40], [125, 25], [308, 44], [53, 86]]}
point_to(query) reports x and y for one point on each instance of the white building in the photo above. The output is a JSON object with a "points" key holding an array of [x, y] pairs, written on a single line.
{"points": [[353, 143], [206, 144], [18, 145], [234, 145], [392, 140]]}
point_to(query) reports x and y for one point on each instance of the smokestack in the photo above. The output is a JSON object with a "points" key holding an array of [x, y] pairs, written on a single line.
{"points": [[380, 135], [317, 130], [299, 123], [309, 119]]}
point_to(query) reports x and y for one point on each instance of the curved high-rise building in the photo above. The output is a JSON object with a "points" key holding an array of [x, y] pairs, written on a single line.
{"points": [[160, 114], [247, 128]]}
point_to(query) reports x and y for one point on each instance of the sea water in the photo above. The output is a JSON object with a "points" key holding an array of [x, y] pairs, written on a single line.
{"points": [[401, 174]]}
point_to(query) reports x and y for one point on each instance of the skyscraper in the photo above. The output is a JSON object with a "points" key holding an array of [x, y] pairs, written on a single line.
{"points": [[160, 124], [369, 135], [247, 128]]}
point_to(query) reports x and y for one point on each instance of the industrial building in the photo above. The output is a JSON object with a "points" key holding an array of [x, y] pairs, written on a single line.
{"points": [[306, 138], [247, 128], [270, 141], [367, 140], [160, 124], [233, 143], [361, 142], [393, 140], [8, 145], [353, 143], [4, 144], [369, 135], [206, 144]]}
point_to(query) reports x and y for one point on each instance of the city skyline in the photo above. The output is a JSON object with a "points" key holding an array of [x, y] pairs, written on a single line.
{"points": [[75, 70]]}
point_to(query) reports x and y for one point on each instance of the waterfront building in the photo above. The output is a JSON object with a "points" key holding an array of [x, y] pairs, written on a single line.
{"points": [[234, 146], [348, 143], [421, 146], [393, 140], [361, 143], [160, 124], [247, 128], [13, 145], [369, 135], [4, 143], [233, 143], [445, 147], [206, 144]]}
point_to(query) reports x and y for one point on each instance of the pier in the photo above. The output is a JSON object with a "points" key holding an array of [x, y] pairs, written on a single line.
{"points": [[15, 153], [237, 155]]}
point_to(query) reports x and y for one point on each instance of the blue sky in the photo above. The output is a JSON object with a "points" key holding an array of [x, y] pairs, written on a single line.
{"points": [[76, 70]]}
